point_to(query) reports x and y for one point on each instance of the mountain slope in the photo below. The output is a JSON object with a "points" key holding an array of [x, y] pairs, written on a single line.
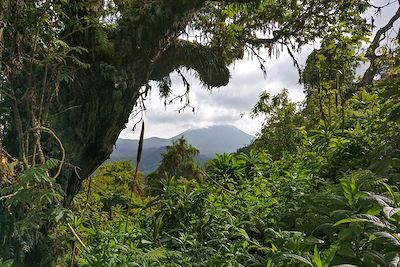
{"points": [[210, 141], [217, 139]]}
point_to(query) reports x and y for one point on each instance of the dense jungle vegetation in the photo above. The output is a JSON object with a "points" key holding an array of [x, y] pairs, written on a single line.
{"points": [[319, 185]]}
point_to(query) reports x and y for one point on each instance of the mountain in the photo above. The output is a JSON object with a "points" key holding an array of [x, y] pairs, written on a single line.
{"points": [[217, 139], [210, 141]]}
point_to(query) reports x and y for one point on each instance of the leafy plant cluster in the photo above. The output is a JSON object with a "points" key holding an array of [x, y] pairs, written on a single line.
{"points": [[282, 215], [31, 218]]}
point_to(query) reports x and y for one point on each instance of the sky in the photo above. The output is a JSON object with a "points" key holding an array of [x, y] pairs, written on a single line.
{"points": [[230, 104]]}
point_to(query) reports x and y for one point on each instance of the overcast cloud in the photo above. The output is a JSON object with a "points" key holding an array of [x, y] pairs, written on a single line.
{"points": [[225, 105], [232, 103]]}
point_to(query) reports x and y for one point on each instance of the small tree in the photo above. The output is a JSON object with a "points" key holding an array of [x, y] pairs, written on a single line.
{"points": [[280, 130], [177, 162]]}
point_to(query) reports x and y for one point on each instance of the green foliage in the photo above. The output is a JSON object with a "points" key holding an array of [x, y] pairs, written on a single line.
{"points": [[7, 263], [31, 215], [280, 130], [225, 167], [106, 196], [188, 222], [360, 221], [177, 161]]}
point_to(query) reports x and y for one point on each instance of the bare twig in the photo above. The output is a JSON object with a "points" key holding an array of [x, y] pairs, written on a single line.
{"points": [[218, 184], [11, 195], [380, 7], [76, 236], [138, 158], [88, 191], [51, 132]]}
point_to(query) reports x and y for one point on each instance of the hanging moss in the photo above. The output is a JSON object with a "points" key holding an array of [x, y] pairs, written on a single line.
{"points": [[207, 61]]}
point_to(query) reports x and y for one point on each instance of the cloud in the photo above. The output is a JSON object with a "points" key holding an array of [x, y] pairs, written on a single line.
{"points": [[226, 105]]}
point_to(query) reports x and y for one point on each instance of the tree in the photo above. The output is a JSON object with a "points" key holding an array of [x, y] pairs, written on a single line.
{"points": [[178, 162], [280, 132], [329, 78], [72, 70]]}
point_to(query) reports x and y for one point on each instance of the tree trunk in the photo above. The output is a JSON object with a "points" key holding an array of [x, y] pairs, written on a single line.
{"points": [[92, 111]]}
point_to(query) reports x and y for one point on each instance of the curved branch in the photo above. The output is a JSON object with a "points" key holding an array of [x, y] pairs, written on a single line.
{"points": [[379, 7], [206, 61], [51, 132], [370, 73]]}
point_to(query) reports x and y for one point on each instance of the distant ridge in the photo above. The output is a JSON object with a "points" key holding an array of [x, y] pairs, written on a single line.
{"points": [[212, 140]]}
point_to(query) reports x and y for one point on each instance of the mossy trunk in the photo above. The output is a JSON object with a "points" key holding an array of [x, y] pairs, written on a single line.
{"points": [[92, 111]]}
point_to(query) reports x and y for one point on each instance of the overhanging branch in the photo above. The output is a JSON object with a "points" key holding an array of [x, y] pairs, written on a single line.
{"points": [[206, 61]]}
